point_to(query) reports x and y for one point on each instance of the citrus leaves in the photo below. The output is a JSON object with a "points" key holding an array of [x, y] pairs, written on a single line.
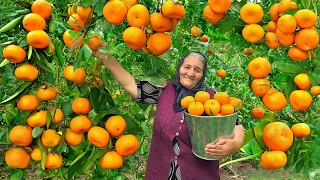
{"points": [[17, 92], [12, 24]]}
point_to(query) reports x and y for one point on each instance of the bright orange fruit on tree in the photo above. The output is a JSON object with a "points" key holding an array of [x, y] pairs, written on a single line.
{"points": [[286, 39], [274, 100], [277, 136], [272, 40], [305, 18], [286, 5], [57, 115], [78, 76], [111, 160], [202, 96], [85, 13], [160, 23], [212, 106], [14, 53], [221, 73], [315, 90], [50, 138], [94, 42], [73, 139], [72, 42], [127, 145], [274, 12], [46, 93], [33, 21], [287, 23], [195, 31], [307, 39], [159, 43], [211, 16], [21, 135], [98, 136], [37, 119], [38, 39], [272, 26], [219, 6], [115, 125], [186, 101], [129, 3], [260, 86], [17, 158], [300, 100], [81, 106], [251, 13], [300, 130], [297, 54], [259, 67], [248, 51], [273, 159], [42, 8], [173, 9], [115, 12], [26, 72], [36, 154], [253, 33], [196, 108], [28, 102], [302, 81], [80, 124], [204, 38], [53, 161], [257, 113], [138, 16], [134, 37], [76, 22]]}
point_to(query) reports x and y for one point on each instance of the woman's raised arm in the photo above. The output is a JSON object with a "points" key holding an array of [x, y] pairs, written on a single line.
{"points": [[122, 76]]}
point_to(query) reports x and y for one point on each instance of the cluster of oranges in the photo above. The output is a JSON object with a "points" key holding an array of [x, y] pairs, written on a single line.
{"points": [[215, 10], [35, 24], [297, 29], [137, 36], [202, 104], [115, 126], [279, 138], [274, 100]]}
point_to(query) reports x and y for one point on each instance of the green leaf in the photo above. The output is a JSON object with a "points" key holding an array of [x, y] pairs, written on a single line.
{"points": [[249, 135], [282, 78], [4, 62], [73, 168], [67, 108], [255, 147], [17, 91], [6, 43], [132, 126], [105, 25], [289, 68], [30, 52], [96, 154], [99, 8], [78, 158], [62, 139], [43, 154], [291, 12], [269, 116], [83, 89], [314, 79], [289, 87], [61, 58], [16, 174], [95, 99], [247, 147], [258, 131], [236, 5], [99, 117], [24, 4], [74, 34], [85, 3], [36, 132], [49, 119], [42, 61], [12, 24]]}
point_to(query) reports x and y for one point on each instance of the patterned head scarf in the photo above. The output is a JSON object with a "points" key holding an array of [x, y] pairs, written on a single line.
{"points": [[180, 89]]}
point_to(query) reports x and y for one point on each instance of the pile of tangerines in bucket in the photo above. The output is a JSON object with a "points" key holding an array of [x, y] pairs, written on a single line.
{"points": [[203, 104]]}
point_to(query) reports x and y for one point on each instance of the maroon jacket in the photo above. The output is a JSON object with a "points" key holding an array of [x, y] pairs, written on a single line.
{"points": [[166, 125]]}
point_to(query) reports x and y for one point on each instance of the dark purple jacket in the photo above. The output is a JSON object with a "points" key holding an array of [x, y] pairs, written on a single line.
{"points": [[166, 125]]}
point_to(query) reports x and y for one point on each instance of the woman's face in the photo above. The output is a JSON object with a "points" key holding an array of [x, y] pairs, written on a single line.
{"points": [[191, 72]]}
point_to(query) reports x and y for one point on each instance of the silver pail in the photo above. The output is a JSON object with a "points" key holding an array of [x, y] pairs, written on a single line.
{"points": [[206, 129]]}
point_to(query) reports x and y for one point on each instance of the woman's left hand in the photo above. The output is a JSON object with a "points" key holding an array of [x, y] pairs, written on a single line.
{"points": [[222, 148]]}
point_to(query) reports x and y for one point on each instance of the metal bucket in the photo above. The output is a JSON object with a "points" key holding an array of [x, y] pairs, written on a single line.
{"points": [[206, 129]]}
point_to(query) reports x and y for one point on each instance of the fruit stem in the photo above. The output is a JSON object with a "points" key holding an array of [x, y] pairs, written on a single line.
{"points": [[242, 159]]}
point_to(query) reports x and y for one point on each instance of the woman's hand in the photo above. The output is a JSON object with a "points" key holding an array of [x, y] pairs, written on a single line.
{"points": [[225, 147], [222, 148], [105, 58]]}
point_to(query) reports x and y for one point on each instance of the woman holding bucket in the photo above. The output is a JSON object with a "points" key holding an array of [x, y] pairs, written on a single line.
{"points": [[170, 155]]}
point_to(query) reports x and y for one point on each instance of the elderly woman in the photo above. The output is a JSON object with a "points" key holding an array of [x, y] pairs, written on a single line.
{"points": [[170, 155]]}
